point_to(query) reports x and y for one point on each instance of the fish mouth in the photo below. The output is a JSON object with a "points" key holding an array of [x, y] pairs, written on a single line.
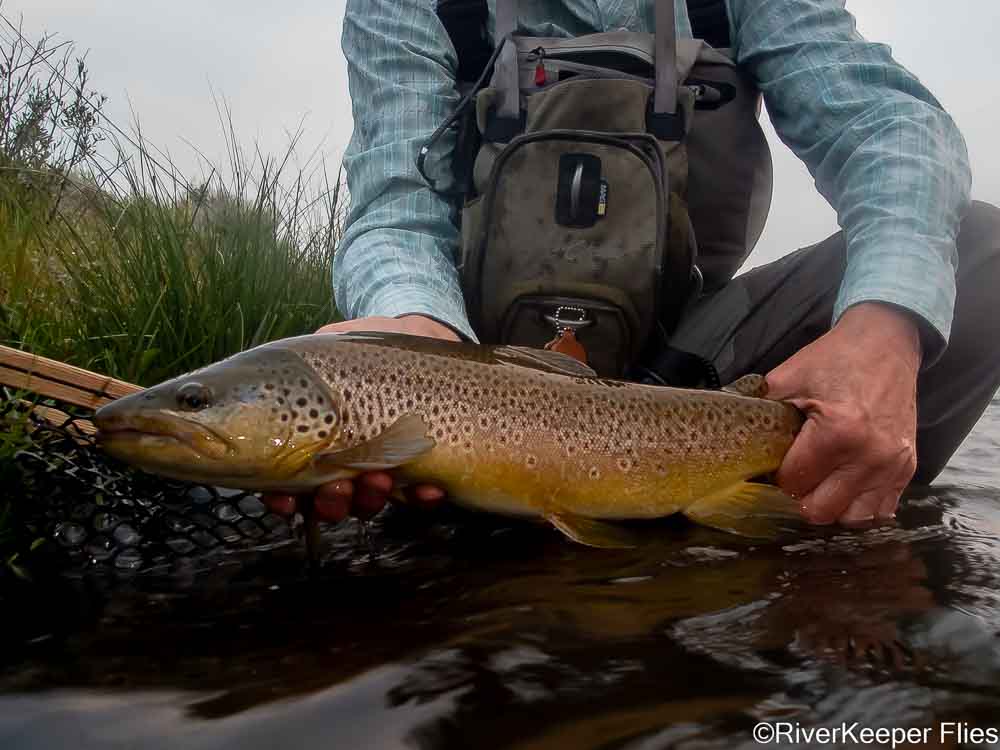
{"points": [[150, 431]]}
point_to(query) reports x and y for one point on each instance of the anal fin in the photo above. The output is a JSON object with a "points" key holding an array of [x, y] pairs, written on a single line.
{"points": [[761, 511], [592, 533]]}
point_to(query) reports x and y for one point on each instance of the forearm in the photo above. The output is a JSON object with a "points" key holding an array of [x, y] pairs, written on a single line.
{"points": [[397, 255], [391, 272], [887, 157]]}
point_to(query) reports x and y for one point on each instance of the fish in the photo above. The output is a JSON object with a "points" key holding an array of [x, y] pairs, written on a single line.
{"points": [[508, 430]]}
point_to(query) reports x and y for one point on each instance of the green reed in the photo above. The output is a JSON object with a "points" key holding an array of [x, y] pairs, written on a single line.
{"points": [[141, 274]]}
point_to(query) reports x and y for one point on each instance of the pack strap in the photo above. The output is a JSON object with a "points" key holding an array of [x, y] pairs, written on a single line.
{"points": [[710, 21], [509, 89], [466, 24], [665, 50], [664, 46]]}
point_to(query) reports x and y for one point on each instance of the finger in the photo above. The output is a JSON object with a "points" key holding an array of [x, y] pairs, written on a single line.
{"points": [[426, 496], [828, 502], [332, 502], [785, 383], [368, 502], [806, 464], [375, 323], [376, 481], [863, 509], [887, 508], [778, 386], [282, 505]]}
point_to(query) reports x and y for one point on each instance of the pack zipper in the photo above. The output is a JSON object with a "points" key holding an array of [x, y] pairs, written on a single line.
{"points": [[705, 94]]}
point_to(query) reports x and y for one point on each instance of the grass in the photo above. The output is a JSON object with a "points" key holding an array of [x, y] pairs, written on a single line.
{"points": [[149, 276], [113, 260], [139, 273]]}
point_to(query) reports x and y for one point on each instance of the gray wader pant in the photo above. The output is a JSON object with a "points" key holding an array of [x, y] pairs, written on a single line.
{"points": [[764, 316]]}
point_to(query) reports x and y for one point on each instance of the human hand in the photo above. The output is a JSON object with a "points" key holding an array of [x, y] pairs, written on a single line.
{"points": [[857, 386], [368, 494], [415, 325]]}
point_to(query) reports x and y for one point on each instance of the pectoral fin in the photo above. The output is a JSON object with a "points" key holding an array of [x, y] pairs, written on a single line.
{"points": [[592, 533], [748, 509], [403, 441], [748, 385]]}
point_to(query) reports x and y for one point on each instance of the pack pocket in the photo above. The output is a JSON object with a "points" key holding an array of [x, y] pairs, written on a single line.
{"points": [[569, 219]]}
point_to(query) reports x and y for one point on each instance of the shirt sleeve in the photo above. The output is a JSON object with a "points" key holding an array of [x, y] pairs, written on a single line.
{"points": [[397, 255], [880, 147]]}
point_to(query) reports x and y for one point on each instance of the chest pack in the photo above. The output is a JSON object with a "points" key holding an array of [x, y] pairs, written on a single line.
{"points": [[605, 180]]}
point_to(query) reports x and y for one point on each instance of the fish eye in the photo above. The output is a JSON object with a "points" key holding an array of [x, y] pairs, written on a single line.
{"points": [[193, 396]]}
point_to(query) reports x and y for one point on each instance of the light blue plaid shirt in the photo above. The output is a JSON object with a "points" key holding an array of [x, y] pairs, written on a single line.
{"points": [[882, 151]]}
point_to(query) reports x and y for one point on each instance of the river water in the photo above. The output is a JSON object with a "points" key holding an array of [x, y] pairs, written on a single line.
{"points": [[458, 631]]}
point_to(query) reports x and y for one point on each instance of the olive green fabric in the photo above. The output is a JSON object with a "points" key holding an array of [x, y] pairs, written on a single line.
{"points": [[629, 271]]}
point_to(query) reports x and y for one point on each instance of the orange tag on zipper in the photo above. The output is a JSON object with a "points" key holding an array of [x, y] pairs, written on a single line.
{"points": [[539, 74], [567, 343]]}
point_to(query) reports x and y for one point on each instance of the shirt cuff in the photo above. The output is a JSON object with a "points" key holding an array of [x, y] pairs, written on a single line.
{"points": [[395, 302], [916, 277]]}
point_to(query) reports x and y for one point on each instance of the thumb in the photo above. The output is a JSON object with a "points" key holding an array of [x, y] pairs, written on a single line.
{"points": [[782, 383]]}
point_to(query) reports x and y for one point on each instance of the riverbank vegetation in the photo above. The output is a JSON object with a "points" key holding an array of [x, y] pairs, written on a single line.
{"points": [[113, 260]]}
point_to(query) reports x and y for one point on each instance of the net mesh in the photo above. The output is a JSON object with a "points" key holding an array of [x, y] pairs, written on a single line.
{"points": [[92, 511]]}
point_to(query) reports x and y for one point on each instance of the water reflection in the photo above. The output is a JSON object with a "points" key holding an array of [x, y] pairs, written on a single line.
{"points": [[461, 632], [510, 636]]}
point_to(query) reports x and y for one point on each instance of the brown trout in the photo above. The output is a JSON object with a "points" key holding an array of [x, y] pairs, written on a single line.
{"points": [[508, 430]]}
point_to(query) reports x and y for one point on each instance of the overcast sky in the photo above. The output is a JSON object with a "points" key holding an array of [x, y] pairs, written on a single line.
{"points": [[277, 63]]}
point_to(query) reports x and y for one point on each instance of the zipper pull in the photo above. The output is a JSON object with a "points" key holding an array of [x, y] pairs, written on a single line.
{"points": [[540, 77]]}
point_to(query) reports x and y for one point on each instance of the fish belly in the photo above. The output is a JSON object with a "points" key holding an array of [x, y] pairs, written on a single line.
{"points": [[609, 488]]}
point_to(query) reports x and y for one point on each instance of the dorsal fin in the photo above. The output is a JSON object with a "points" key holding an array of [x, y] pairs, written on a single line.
{"points": [[544, 359], [539, 359]]}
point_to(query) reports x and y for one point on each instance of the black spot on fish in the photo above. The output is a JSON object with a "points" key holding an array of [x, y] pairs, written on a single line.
{"points": [[284, 417], [301, 401], [302, 428], [329, 419], [321, 434], [303, 382], [313, 413]]}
